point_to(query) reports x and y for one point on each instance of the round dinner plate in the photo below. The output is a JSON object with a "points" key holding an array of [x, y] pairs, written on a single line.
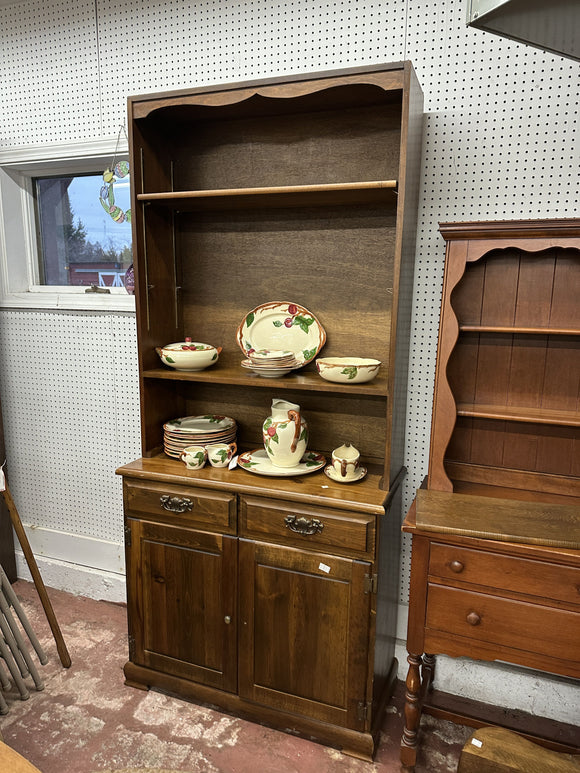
{"points": [[208, 424]]}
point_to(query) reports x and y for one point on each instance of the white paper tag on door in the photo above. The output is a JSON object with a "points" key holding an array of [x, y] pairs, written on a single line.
{"points": [[324, 568]]}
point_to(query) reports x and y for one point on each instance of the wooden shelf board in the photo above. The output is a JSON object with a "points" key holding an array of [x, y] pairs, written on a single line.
{"points": [[517, 413], [515, 329], [378, 191], [299, 381]]}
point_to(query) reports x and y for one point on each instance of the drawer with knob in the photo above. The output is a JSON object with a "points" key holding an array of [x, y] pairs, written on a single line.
{"points": [[509, 623], [345, 533], [182, 505], [511, 573]]}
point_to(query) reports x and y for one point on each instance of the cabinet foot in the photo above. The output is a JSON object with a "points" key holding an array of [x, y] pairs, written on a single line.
{"points": [[131, 681]]}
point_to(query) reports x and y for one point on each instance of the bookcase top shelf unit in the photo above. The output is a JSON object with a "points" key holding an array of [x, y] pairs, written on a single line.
{"points": [[507, 391]]}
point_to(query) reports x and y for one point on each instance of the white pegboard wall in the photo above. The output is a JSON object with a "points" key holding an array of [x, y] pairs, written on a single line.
{"points": [[71, 416], [68, 68], [49, 71]]}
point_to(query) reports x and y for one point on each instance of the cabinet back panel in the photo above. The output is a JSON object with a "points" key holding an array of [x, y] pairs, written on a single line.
{"points": [[516, 445], [527, 371], [298, 148], [332, 420], [353, 250], [521, 289]]}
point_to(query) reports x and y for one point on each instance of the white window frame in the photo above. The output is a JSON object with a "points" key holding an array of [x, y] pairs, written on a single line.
{"points": [[19, 276]]}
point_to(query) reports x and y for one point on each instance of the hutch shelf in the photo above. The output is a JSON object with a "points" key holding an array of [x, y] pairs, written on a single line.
{"points": [[495, 568], [303, 190]]}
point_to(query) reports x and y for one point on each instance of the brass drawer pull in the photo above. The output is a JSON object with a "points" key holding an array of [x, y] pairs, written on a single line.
{"points": [[473, 618], [456, 566], [175, 504], [227, 619], [303, 525]]}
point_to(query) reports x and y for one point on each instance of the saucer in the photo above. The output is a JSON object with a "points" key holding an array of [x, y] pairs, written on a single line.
{"points": [[330, 473]]}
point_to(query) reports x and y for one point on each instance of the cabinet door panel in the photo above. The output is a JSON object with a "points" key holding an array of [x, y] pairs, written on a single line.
{"points": [[304, 632], [184, 592]]}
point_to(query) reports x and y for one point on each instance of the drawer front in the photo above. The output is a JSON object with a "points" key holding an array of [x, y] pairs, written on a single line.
{"points": [[344, 532], [494, 570], [182, 505], [504, 622]]}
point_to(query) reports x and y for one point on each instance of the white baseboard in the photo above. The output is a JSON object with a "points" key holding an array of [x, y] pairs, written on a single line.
{"points": [[87, 581]]}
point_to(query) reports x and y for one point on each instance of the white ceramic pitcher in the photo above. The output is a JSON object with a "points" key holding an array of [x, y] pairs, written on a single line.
{"points": [[285, 434]]}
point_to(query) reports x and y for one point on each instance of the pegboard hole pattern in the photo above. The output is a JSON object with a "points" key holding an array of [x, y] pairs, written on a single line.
{"points": [[74, 420]]}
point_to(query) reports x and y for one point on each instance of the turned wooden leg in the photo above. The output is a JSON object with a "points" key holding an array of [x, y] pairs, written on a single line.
{"points": [[412, 713], [428, 672]]}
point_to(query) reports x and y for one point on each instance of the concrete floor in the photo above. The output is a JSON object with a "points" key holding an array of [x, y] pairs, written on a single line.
{"points": [[86, 720]]}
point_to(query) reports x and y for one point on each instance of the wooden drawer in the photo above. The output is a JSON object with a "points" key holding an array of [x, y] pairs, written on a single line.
{"points": [[504, 622], [346, 533], [182, 505], [494, 570]]}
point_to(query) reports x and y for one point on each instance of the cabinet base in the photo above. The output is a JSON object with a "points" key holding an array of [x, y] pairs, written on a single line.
{"points": [[351, 742]]}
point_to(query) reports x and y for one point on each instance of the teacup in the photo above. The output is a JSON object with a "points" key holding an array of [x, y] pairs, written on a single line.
{"points": [[345, 461], [194, 457], [221, 454]]}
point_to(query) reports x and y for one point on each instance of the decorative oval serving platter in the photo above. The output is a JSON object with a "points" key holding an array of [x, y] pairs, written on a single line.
{"points": [[286, 326]]}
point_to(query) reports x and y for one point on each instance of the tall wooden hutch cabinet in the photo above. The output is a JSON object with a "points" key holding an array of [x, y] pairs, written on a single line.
{"points": [[495, 572], [301, 189]]}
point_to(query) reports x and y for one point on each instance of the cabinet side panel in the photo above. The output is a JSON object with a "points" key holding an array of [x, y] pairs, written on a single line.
{"points": [[387, 597]]}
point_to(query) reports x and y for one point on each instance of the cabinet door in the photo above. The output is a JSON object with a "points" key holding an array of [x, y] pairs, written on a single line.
{"points": [[182, 602], [304, 630]]}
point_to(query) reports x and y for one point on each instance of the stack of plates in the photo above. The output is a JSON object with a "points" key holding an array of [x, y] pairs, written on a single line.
{"points": [[273, 358], [197, 431], [271, 363]]}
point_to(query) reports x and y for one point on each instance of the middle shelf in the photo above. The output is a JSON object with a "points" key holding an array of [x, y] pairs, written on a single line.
{"points": [[307, 381], [519, 413]]}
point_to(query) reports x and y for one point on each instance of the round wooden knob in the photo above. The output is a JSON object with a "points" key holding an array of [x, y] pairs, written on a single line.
{"points": [[456, 566], [473, 618]]}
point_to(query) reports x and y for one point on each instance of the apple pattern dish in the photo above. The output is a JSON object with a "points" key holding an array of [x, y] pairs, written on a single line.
{"points": [[257, 461], [197, 430], [281, 326]]}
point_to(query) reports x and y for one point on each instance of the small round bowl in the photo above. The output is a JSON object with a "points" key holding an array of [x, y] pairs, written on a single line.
{"points": [[347, 370], [188, 355]]}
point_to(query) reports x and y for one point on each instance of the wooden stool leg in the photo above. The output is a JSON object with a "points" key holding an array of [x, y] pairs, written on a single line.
{"points": [[412, 712]]}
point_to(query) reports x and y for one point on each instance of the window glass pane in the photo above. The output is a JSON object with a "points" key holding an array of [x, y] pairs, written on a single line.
{"points": [[83, 241]]}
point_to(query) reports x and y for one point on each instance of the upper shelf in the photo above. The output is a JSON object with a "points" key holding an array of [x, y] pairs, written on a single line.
{"points": [[366, 192], [563, 331]]}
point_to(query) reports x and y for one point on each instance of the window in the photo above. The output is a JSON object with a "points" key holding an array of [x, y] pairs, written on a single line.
{"points": [[60, 235], [84, 233]]}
